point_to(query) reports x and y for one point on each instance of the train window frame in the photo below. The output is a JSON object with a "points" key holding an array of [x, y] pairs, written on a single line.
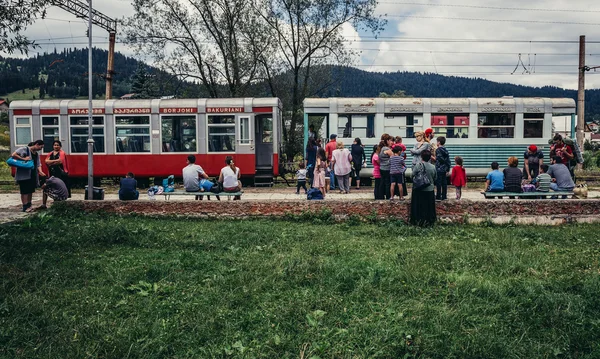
{"points": [[533, 118], [449, 122], [245, 133], [49, 144], [210, 146], [366, 131], [146, 136], [95, 126], [417, 122], [190, 116], [21, 126], [502, 130]]}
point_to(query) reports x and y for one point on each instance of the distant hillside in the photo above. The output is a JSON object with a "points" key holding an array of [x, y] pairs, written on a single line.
{"points": [[64, 75]]}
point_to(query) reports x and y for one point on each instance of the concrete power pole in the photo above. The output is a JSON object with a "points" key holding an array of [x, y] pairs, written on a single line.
{"points": [[81, 10], [581, 97]]}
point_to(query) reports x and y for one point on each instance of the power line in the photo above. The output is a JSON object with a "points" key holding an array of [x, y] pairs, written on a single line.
{"points": [[438, 39], [471, 52], [486, 7], [495, 20]]}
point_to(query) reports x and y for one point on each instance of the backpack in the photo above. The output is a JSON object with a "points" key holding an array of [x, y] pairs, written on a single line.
{"points": [[169, 184], [420, 178], [314, 194], [575, 148]]}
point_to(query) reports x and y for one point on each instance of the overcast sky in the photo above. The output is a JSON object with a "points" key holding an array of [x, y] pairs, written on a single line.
{"points": [[424, 36]]}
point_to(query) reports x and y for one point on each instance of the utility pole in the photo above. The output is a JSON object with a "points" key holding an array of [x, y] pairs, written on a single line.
{"points": [[90, 141], [82, 9], [581, 97]]}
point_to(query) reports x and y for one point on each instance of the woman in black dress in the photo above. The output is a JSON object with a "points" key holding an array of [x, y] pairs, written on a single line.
{"points": [[422, 201], [57, 164], [358, 159]]}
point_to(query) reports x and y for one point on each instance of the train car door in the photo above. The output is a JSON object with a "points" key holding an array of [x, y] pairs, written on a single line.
{"points": [[264, 141]]}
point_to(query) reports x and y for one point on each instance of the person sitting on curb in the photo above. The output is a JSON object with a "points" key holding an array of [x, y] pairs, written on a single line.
{"points": [[54, 188], [128, 190], [561, 177]]}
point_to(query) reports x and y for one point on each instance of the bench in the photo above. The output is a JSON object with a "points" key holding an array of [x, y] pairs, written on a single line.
{"points": [[184, 193], [491, 195]]}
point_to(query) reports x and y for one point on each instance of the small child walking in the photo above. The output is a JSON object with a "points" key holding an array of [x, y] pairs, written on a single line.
{"points": [[397, 169], [458, 178], [301, 177]]}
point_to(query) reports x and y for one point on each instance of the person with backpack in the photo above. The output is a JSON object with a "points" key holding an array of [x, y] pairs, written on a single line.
{"points": [[561, 149], [28, 179]]}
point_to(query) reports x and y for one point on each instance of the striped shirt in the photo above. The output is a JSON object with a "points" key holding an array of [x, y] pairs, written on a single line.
{"points": [[397, 165], [543, 181]]}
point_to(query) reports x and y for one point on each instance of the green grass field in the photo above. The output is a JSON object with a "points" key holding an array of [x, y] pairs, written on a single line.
{"points": [[75, 286]]}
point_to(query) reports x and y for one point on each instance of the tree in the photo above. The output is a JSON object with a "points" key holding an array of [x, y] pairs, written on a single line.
{"points": [[395, 94], [212, 41], [143, 85], [305, 35], [15, 16]]}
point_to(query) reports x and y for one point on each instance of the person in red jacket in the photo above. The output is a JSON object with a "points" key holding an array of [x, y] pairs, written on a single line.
{"points": [[458, 178]]}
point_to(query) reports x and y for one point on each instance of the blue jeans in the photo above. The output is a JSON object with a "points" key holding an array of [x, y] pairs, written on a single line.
{"points": [[555, 188], [331, 179]]}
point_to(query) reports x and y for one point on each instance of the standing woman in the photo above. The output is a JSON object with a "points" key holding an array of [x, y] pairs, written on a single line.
{"points": [[422, 202], [342, 166], [230, 176], [57, 164], [319, 173], [311, 158], [385, 153], [421, 145], [358, 159], [28, 179], [376, 172]]}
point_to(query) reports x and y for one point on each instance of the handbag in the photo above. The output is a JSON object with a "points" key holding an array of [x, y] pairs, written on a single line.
{"points": [[20, 163], [420, 178]]}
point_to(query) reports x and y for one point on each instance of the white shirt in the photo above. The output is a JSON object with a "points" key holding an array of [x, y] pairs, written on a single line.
{"points": [[190, 177], [230, 179]]}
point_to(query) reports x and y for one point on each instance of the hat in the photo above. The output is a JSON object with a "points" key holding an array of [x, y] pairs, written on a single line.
{"points": [[333, 135], [428, 131], [532, 148]]}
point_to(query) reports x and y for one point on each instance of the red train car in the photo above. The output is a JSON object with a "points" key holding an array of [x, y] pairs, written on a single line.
{"points": [[152, 138]]}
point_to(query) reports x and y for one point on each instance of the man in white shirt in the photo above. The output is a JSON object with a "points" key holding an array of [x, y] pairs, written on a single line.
{"points": [[191, 176]]}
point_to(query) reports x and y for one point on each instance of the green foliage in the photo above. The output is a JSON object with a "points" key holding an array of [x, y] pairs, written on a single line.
{"points": [[94, 285]]}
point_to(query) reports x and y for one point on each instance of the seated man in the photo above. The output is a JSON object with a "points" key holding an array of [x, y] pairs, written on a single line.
{"points": [[561, 177], [56, 189], [128, 190], [192, 173]]}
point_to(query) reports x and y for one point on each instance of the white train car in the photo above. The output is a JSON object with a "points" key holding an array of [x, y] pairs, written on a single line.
{"points": [[480, 130]]}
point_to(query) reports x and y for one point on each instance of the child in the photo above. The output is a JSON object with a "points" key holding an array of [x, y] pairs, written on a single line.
{"points": [[494, 180], [397, 168], [542, 181], [459, 176], [376, 172], [301, 176]]}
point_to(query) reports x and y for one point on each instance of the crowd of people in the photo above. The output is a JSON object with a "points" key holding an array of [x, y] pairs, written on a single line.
{"points": [[333, 165]]}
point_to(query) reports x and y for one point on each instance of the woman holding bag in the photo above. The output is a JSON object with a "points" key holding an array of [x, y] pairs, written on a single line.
{"points": [[422, 204], [28, 179], [57, 164]]}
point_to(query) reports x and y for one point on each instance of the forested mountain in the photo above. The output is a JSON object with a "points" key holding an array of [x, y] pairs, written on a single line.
{"points": [[64, 75]]}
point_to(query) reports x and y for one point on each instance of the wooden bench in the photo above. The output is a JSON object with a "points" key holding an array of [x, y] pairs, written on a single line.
{"points": [[229, 195], [491, 195]]}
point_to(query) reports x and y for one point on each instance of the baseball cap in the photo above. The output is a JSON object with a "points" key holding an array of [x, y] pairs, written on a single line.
{"points": [[333, 135], [428, 131], [533, 148]]}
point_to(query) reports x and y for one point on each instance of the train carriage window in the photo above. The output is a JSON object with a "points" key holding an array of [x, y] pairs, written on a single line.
{"points": [[79, 133], [178, 133], [22, 131], [245, 130], [221, 133], [451, 125], [50, 131], [533, 125], [402, 125], [132, 133], [496, 125]]}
